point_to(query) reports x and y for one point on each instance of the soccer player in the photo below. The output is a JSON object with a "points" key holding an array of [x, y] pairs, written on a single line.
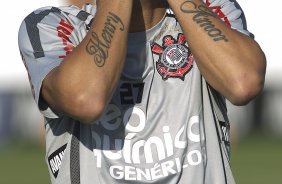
{"points": [[133, 91]]}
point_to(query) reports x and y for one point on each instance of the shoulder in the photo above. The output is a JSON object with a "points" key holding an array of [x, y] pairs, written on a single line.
{"points": [[41, 19], [47, 22], [40, 14], [51, 15]]}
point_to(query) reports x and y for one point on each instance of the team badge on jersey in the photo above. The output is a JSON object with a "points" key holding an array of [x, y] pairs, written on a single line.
{"points": [[175, 58]]}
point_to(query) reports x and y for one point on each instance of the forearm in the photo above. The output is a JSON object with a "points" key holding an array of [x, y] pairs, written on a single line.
{"points": [[231, 62], [88, 75]]}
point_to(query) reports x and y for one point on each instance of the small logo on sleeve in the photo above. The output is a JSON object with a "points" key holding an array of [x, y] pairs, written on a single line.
{"points": [[175, 58], [55, 160]]}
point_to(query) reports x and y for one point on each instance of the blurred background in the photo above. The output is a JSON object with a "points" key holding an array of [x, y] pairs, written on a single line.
{"points": [[256, 128]]}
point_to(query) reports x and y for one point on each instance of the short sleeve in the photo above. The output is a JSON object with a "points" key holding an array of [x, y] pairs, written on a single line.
{"points": [[231, 13], [45, 37]]}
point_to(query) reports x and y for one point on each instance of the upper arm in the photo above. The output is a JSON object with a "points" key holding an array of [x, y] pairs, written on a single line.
{"points": [[43, 45], [231, 13]]}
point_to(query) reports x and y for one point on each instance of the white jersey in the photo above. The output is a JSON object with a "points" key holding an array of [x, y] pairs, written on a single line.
{"points": [[164, 123]]}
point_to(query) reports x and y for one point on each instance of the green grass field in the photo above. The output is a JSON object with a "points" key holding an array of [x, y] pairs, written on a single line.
{"points": [[23, 164], [256, 160]]}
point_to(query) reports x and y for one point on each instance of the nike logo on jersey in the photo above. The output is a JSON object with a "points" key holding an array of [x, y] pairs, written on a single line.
{"points": [[55, 160]]}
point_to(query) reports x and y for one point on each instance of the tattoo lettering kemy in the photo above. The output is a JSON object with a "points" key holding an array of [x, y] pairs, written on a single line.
{"points": [[99, 46], [202, 15]]}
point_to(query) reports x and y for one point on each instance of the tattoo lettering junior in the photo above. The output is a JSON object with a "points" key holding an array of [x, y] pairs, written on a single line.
{"points": [[99, 46], [202, 15]]}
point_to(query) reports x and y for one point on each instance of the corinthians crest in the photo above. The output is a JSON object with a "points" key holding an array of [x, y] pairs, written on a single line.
{"points": [[175, 58]]}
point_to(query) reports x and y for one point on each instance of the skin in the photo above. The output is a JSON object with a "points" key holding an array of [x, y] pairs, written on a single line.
{"points": [[82, 85]]}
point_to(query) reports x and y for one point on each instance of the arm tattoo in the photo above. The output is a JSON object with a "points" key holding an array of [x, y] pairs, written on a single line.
{"points": [[202, 16], [99, 46]]}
